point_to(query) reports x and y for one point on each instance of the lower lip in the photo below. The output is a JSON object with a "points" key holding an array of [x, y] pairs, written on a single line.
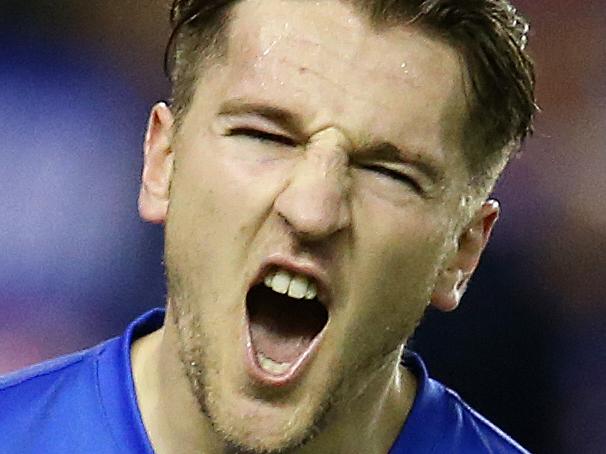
{"points": [[264, 378]]}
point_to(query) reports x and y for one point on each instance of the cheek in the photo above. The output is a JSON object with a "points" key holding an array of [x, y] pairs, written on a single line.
{"points": [[220, 199], [398, 253], [400, 239], [225, 187]]}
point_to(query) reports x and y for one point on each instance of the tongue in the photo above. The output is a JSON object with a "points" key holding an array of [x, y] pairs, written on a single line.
{"points": [[282, 328], [275, 344]]}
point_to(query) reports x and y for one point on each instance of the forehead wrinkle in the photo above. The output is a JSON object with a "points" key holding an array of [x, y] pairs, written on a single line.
{"points": [[245, 73], [353, 62], [324, 115], [357, 63], [260, 73], [320, 62], [359, 41], [265, 38], [353, 48], [336, 83]]}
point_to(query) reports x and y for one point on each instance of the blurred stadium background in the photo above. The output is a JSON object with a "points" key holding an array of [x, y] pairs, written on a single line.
{"points": [[528, 345]]}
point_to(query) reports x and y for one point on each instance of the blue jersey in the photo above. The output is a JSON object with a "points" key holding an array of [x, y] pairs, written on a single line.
{"points": [[86, 403]]}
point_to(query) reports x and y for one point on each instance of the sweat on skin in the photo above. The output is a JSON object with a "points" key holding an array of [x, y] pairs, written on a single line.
{"points": [[286, 155]]}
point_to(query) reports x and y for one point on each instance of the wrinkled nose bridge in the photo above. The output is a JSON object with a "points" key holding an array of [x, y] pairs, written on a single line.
{"points": [[324, 159], [315, 200]]}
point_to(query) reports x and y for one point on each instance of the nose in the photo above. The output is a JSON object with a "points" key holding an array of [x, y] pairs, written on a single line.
{"points": [[315, 200]]}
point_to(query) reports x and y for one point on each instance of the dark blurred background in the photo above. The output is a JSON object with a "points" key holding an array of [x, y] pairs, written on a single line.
{"points": [[528, 345]]}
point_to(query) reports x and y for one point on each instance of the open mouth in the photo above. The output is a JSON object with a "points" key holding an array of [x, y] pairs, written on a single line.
{"points": [[285, 316]]}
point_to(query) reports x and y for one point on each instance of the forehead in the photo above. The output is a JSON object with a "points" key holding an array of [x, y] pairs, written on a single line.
{"points": [[325, 61]]}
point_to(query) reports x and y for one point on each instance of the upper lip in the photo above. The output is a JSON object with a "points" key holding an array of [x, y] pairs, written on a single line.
{"points": [[297, 266]]}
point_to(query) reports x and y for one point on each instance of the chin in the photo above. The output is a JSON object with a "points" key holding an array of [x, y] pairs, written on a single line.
{"points": [[252, 426], [249, 420]]}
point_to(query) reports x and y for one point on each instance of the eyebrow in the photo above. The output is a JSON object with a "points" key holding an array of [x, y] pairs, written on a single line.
{"points": [[369, 149], [282, 117], [387, 151]]}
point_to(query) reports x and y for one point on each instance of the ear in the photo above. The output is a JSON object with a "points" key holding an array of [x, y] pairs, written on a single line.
{"points": [[458, 269], [157, 165]]}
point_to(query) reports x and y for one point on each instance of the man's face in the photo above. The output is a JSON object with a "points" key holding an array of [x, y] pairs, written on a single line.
{"points": [[322, 148]]}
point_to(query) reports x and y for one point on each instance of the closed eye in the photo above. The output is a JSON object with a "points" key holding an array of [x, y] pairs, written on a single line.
{"points": [[401, 177], [262, 136]]}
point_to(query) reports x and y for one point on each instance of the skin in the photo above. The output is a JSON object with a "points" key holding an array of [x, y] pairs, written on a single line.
{"points": [[389, 245]]}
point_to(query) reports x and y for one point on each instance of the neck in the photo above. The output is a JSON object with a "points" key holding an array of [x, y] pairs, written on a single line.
{"points": [[369, 420], [373, 414], [170, 412]]}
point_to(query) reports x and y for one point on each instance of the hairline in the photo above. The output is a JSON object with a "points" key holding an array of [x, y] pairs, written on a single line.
{"points": [[482, 179]]}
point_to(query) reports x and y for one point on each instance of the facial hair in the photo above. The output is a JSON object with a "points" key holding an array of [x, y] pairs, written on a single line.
{"points": [[195, 362], [198, 366]]}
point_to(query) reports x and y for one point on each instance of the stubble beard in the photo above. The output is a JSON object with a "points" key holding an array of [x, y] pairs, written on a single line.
{"points": [[193, 355], [195, 362]]}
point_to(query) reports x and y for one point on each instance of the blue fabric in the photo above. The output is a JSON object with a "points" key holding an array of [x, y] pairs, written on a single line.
{"points": [[86, 403], [441, 422]]}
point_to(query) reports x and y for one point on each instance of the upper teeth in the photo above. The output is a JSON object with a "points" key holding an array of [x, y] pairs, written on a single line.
{"points": [[297, 286]]}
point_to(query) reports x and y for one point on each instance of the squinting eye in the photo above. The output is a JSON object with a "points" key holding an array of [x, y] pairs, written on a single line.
{"points": [[262, 136], [400, 177]]}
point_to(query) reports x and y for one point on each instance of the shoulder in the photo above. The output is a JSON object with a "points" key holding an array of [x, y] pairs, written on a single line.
{"points": [[40, 385], [83, 402], [44, 404], [471, 431], [44, 372], [440, 421]]}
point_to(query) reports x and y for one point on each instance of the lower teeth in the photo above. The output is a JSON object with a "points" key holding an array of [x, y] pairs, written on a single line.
{"points": [[272, 366]]}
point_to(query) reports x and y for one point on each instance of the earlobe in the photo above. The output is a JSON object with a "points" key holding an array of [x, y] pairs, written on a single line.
{"points": [[157, 165], [453, 279], [446, 294]]}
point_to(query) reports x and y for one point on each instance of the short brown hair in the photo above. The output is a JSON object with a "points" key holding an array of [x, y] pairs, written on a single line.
{"points": [[490, 35]]}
